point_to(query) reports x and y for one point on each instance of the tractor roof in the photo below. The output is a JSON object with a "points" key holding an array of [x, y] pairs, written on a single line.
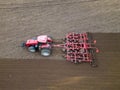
{"points": [[42, 38]]}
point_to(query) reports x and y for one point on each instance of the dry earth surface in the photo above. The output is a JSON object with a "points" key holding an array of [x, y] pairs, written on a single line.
{"points": [[58, 74], [23, 19]]}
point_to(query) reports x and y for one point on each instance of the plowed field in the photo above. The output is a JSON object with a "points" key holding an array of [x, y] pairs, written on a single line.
{"points": [[23, 19]]}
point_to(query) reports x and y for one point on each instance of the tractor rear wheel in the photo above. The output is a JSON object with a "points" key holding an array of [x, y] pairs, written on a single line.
{"points": [[45, 52], [32, 49]]}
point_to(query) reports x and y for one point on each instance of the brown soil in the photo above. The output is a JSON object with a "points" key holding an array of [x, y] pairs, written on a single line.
{"points": [[23, 20], [21, 70], [58, 74]]}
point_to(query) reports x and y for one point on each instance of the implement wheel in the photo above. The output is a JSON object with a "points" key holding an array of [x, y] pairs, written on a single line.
{"points": [[93, 65]]}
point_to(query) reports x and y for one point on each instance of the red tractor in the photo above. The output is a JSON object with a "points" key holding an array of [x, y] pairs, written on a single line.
{"points": [[40, 43], [77, 47]]}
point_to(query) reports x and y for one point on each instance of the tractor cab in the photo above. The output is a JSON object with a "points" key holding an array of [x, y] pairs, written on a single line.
{"points": [[44, 39]]}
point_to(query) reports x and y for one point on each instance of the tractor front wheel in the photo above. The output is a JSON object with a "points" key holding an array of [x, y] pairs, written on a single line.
{"points": [[22, 44], [32, 49]]}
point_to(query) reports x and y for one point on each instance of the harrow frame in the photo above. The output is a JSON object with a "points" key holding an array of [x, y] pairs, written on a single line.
{"points": [[79, 47]]}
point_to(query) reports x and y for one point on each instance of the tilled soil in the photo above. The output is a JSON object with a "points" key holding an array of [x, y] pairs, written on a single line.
{"points": [[20, 21], [58, 74], [22, 70]]}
